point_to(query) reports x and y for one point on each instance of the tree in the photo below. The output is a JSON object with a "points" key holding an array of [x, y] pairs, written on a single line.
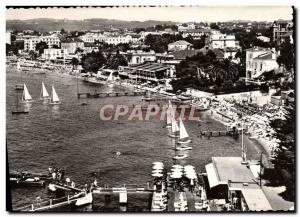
{"points": [[41, 46], [93, 61], [284, 158], [74, 62], [116, 60], [32, 55], [55, 46], [62, 31], [214, 26], [286, 56]]}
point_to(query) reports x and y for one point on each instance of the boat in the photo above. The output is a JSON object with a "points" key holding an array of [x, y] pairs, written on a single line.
{"points": [[17, 111], [174, 128], [179, 157], [183, 148], [30, 182], [87, 199], [54, 100], [183, 135], [26, 97], [184, 97], [110, 79], [44, 93], [170, 113]]}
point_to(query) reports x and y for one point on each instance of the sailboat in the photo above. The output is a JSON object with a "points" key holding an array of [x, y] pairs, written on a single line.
{"points": [[174, 128], [17, 111], [183, 135], [26, 97], [170, 113], [109, 80], [44, 93], [54, 98]]}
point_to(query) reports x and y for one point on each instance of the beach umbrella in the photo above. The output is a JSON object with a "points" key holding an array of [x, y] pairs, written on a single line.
{"points": [[177, 166], [157, 174], [158, 163], [176, 169], [157, 171], [176, 176], [189, 166], [157, 167]]}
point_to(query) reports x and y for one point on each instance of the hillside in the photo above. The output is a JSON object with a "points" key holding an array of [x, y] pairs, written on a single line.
{"points": [[45, 24]]}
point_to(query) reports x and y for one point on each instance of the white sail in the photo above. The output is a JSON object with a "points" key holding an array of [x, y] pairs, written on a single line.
{"points": [[169, 117], [175, 127], [44, 92], [110, 77], [54, 97], [182, 131], [26, 96]]}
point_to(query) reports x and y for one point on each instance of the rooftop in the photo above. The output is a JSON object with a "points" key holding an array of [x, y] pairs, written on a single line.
{"points": [[151, 67], [180, 42], [256, 199], [71, 40], [231, 168]]}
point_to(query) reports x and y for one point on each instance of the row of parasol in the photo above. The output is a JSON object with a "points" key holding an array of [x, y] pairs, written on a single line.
{"points": [[177, 171]]}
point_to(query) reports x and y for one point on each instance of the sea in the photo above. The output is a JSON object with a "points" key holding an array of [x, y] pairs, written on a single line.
{"points": [[73, 137]]}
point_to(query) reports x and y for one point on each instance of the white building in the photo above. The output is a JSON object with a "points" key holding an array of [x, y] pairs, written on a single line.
{"points": [[179, 45], [221, 41], [31, 41], [139, 56], [263, 38], [259, 60], [92, 37], [187, 27], [51, 40], [8, 37], [195, 33], [54, 54]]}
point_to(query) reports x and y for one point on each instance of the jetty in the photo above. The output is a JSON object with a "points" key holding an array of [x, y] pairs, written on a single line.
{"points": [[110, 94]]}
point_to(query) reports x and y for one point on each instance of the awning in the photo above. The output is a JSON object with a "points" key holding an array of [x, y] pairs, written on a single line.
{"points": [[256, 199], [211, 175]]}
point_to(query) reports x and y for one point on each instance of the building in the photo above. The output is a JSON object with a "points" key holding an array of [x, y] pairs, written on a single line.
{"points": [[8, 37], [184, 27], [282, 29], [259, 60], [146, 72], [51, 40], [72, 44], [196, 33], [91, 37], [54, 54], [230, 177], [139, 56], [179, 45], [222, 41], [263, 38], [30, 42]]}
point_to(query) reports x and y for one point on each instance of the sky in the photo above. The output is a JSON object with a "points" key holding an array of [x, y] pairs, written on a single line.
{"points": [[163, 13]]}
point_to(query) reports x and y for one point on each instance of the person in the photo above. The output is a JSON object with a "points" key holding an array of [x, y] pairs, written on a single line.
{"points": [[86, 187], [50, 169], [95, 183], [68, 181], [38, 201], [192, 185], [73, 184], [234, 200], [54, 175]]}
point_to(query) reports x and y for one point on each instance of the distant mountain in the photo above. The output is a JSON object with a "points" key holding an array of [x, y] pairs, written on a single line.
{"points": [[48, 24]]}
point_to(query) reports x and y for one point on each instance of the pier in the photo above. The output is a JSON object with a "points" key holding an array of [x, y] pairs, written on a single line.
{"points": [[218, 133], [110, 94]]}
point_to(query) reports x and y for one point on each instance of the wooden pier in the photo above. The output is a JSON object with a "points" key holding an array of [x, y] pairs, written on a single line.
{"points": [[71, 200], [110, 94], [218, 133]]}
